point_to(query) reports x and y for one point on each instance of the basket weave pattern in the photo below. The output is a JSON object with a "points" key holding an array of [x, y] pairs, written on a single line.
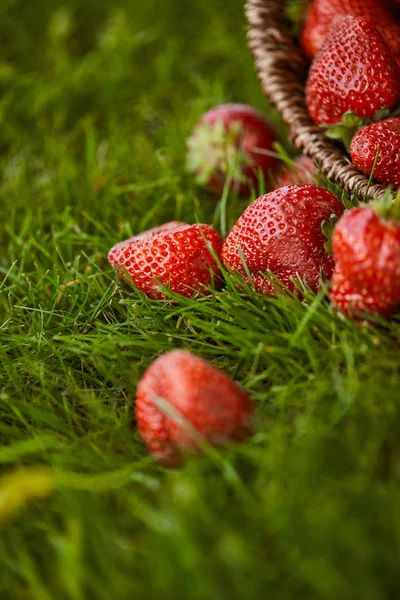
{"points": [[282, 70]]}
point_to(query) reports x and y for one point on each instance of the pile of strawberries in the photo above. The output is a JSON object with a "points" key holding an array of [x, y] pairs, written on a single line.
{"points": [[354, 80], [281, 242]]}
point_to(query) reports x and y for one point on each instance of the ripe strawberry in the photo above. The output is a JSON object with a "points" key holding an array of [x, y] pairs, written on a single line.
{"points": [[383, 139], [182, 402], [231, 139], [300, 172], [281, 233], [323, 12], [367, 271], [175, 254], [353, 71]]}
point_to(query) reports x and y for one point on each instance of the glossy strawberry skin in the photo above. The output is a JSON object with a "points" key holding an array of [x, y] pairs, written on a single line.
{"points": [[182, 401], [300, 172], [281, 233], [323, 13], [353, 71], [382, 138], [367, 271], [176, 254], [243, 132]]}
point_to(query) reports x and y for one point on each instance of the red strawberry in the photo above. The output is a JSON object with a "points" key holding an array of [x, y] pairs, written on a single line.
{"points": [[182, 402], [231, 139], [353, 71], [281, 233], [323, 12], [383, 139], [367, 271], [175, 254], [300, 172]]}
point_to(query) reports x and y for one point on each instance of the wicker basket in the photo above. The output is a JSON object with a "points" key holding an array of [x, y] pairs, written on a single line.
{"points": [[282, 70]]}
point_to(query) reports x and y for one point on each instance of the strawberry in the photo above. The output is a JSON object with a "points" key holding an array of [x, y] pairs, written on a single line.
{"points": [[281, 233], [231, 140], [323, 12], [300, 172], [353, 71], [367, 271], [382, 139], [176, 255], [183, 402]]}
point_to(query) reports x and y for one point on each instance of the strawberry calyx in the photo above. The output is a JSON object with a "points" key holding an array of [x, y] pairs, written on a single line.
{"points": [[386, 207], [350, 124], [218, 150], [346, 129], [327, 228]]}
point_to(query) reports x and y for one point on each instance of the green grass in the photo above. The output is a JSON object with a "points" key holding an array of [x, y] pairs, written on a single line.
{"points": [[97, 99]]}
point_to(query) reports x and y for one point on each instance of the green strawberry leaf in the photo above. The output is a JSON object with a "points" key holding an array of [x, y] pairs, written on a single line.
{"points": [[350, 124], [345, 130], [386, 207], [327, 228], [296, 11], [381, 115], [395, 209]]}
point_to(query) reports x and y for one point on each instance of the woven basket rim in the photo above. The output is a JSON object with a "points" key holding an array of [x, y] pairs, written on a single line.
{"points": [[282, 69]]}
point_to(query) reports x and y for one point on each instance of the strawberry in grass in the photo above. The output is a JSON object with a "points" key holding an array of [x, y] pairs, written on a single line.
{"points": [[377, 148], [366, 248], [323, 12], [231, 140], [183, 402], [354, 71], [281, 233], [176, 255]]}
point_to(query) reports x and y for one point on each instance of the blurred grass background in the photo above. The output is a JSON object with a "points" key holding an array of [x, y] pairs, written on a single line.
{"points": [[96, 101]]}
